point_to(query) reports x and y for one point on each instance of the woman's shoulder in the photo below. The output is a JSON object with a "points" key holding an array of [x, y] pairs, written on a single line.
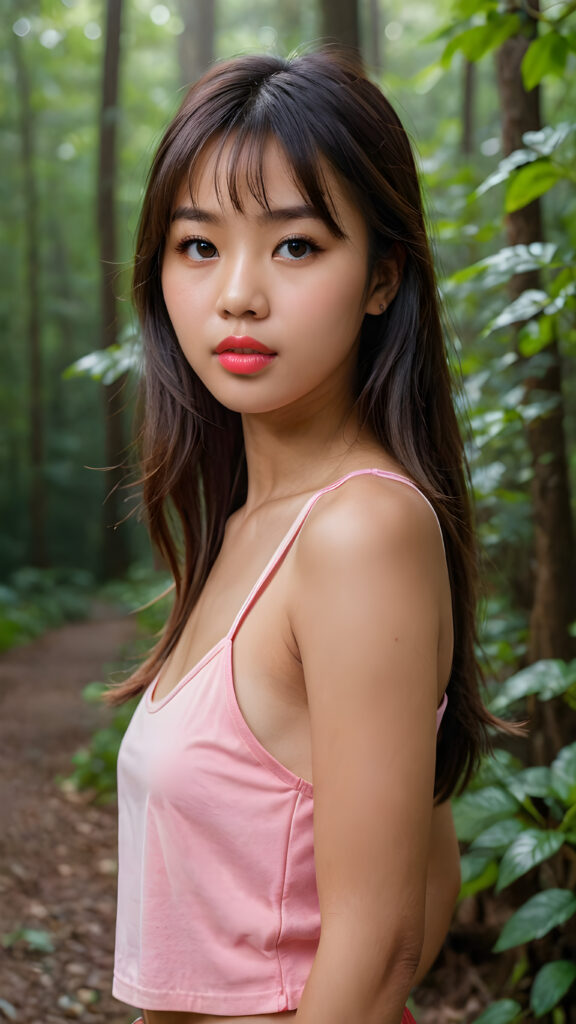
{"points": [[370, 513]]}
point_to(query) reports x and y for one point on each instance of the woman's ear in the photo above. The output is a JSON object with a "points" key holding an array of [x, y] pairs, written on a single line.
{"points": [[385, 282]]}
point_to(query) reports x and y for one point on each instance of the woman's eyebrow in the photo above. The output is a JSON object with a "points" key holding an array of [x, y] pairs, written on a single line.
{"points": [[194, 213], [281, 213]]}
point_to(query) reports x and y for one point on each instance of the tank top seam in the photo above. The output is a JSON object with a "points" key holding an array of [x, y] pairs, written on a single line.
{"points": [[153, 706], [200, 993], [142, 878], [283, 989]]}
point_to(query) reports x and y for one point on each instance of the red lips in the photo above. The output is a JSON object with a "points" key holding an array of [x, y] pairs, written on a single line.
{"points": [[244, 343]]}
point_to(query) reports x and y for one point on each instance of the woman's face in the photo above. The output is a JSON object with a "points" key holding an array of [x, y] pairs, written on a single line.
{"points": [[278, 281]]}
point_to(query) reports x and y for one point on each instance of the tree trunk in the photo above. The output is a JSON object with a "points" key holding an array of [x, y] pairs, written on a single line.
{"points": [[373, 47], [468, 108], [37, 554], [340, 22], [196, 42], [115, 544], [553, 605]]}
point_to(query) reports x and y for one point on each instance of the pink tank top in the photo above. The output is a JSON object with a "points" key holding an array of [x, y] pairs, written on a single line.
{"points": [[217, 903]]}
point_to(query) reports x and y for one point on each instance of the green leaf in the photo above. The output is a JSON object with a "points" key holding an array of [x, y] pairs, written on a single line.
{"points": [[549, 138], [498, 837], [528, 304], [475, 811], [535, 335], [543, 912], [530, 182], [563, 772], [39, 941], [545, 56], [513, 259], [486, 880], [107, 364], [467, 8], [93, 692], [477, 41], [505, 168], [529, 849], [474, 864], [497, 769], [551, 984], [532, 782], [548, 678], [563, 298], [501, 1012]]}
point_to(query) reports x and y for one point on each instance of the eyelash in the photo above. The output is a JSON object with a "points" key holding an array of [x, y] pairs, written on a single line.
{"points": [[184, 244], [313, 246]]}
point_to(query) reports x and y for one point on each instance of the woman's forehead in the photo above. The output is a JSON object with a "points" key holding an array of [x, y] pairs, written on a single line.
{"points": [[224, 174], [259, 175]]}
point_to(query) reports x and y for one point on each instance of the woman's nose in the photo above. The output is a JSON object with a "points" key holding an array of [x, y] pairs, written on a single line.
{"points": [[243, 292]]}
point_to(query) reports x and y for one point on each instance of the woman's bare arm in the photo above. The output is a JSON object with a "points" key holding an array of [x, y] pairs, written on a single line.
{"points": [[369, 584], [442, 886]]}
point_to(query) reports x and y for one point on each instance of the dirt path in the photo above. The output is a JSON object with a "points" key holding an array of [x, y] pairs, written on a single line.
{"points": [[57, 851]]}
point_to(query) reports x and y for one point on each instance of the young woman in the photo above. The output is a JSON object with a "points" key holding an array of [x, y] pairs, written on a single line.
{"points": [[286, 844]]}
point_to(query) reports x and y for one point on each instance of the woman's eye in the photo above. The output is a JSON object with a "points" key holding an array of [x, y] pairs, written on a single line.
{"points": [[296, 248], [197, 249]]}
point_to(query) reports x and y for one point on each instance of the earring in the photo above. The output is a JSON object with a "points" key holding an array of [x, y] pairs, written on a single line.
{"points": [[382, 307]]}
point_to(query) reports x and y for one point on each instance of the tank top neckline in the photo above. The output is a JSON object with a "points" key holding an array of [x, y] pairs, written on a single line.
{"points": [[156, 705]]}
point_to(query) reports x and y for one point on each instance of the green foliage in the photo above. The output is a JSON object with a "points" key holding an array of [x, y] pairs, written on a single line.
{"points": [[147, 595], [95, 765], [551, 984], [515, 819], [479, 40], [547, 55], [504, 1011], [38, 599], [35, 940], [109, 364], [504, 346], [530, 848], [538, 916]]}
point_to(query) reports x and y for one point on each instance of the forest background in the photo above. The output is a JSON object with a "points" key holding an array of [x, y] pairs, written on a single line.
{"points": [[486, 89]]}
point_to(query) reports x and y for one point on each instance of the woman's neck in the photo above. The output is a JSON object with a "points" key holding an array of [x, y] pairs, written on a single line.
{"points": [[287, 456]]}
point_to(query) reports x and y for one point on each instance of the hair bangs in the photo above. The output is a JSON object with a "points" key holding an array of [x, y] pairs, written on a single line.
{"points": [[239, 152]]}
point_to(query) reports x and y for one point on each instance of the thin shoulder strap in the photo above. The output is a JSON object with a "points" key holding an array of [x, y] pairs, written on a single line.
{"points": [[289, 538]]}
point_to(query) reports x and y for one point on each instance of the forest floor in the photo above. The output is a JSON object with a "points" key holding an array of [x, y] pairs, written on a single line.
{"points": [[58, 849]]}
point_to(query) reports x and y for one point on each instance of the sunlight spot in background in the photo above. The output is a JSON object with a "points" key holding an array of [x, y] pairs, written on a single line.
{"points": [[50, 38], [21, 27], [92, 30], [393, 30], [160, 15], [176, 25], [490, 146], [66, 151], [268, 36]]}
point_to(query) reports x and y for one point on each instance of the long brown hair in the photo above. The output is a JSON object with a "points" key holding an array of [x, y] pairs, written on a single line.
{"points": [[316, 106]]}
